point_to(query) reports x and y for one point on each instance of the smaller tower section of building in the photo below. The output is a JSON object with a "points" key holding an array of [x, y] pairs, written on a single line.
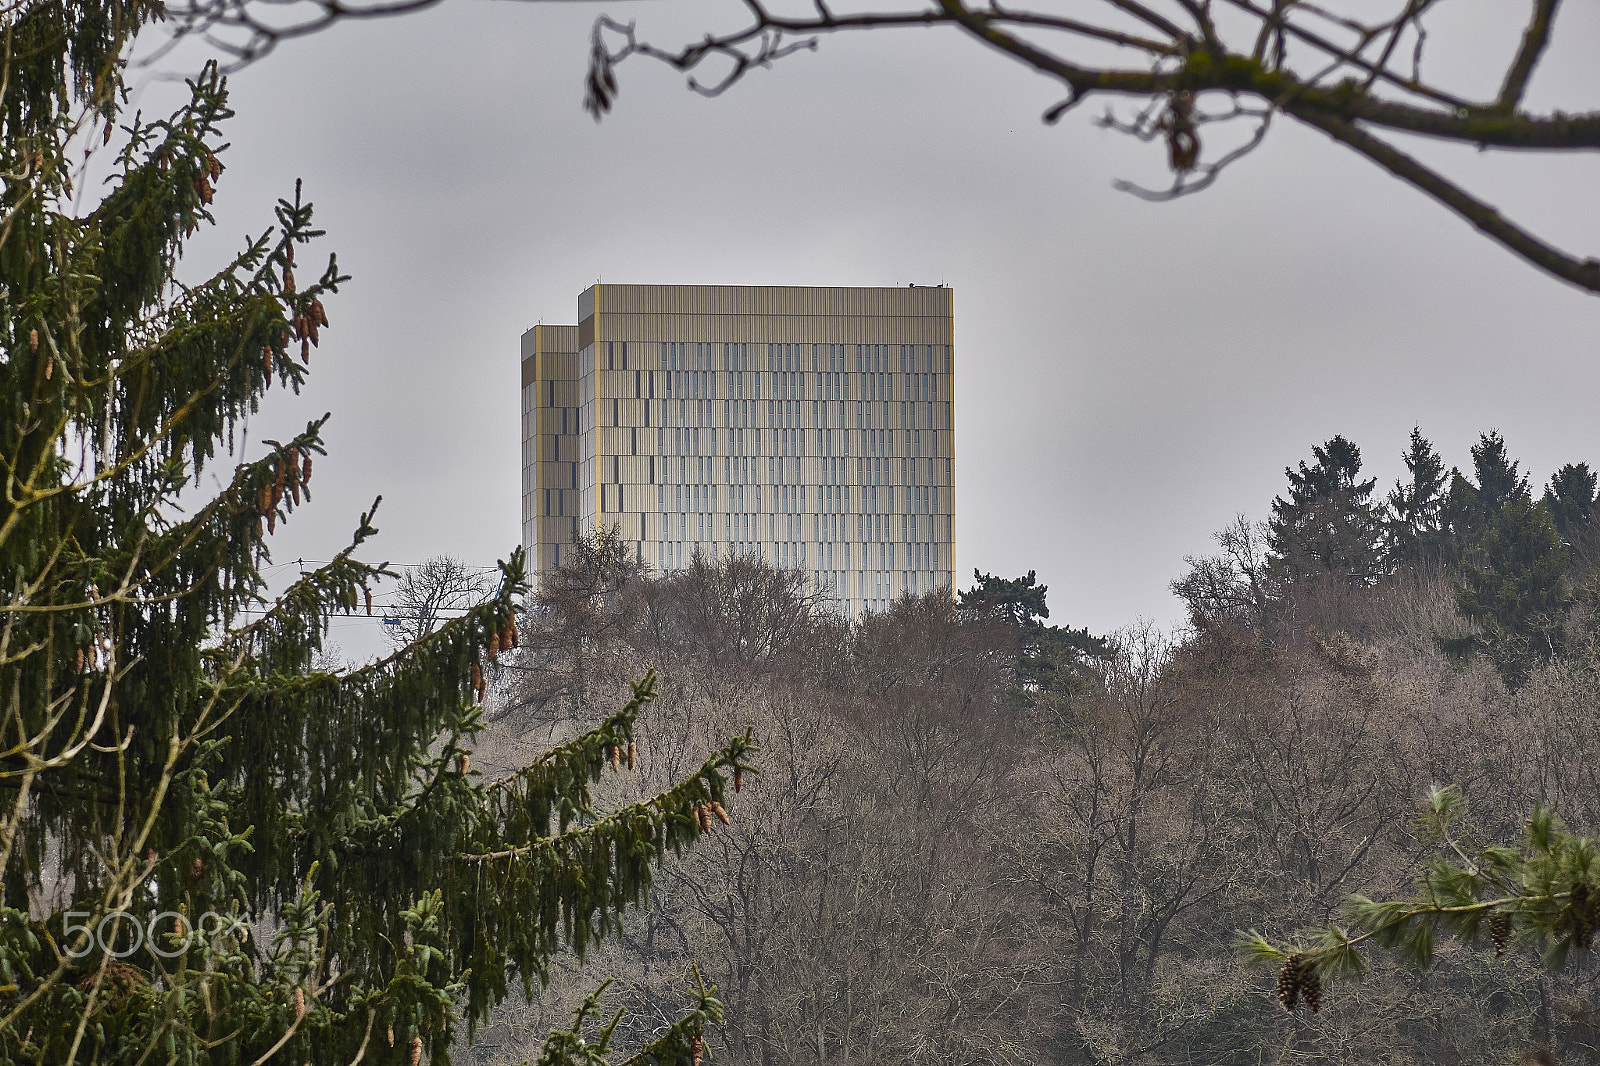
{"points": [[552, 410]]}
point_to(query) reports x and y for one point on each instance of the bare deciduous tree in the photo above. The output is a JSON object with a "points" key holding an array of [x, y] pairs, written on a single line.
{"points": [[431, 593]]}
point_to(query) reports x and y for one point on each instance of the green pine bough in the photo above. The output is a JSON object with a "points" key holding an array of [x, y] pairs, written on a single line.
{"points": [[1545, 892], [212, 852]]}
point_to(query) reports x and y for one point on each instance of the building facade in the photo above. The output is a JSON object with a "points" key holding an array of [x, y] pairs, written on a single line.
{"points": [[812, 427]]}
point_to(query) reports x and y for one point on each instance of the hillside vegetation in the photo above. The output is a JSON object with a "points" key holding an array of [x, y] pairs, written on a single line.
{"points": [[979, 838]]}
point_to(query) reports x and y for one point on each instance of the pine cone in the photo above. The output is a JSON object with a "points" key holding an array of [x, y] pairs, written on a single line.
{"points": [[633, 755], [1500, 932], [704, 817], [391, 1036], [305, 470], [1583, 915], [721, 812], [1311, 987], [127, 975], [33, 340], [416, 1050], [1289, 983], [368, 593], [494, 645], [299, 1003], [477, 680], [738, 778], [120, 977], [614, 753]]}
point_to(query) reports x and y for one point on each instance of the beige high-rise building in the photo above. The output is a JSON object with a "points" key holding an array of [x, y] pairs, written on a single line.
{"points": [[810, 426]]}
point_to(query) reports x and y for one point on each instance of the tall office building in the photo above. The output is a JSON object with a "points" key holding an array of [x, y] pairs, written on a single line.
{"points": [[809, 426]]}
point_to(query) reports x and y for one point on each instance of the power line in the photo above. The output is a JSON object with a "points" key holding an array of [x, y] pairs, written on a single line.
{"points": [[402, 566]]}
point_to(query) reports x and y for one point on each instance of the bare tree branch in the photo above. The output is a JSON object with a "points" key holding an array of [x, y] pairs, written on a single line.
{"points": [[1322, 64], [1584, 273], [1534, 40]]}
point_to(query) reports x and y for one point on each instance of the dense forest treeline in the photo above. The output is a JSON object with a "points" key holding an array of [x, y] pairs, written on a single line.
{"points": [[980, 838]]}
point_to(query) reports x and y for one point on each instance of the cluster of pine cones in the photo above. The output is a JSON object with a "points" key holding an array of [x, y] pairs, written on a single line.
{"points": [[1298, 979], [704, 811]]}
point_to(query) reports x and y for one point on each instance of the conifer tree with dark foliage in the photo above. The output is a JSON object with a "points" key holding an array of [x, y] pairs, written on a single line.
{"points": [[212, 853], [1416, 524], [1047, 656], [1571, 499], [1470, 507], [1328, 530], [1515, 589]]}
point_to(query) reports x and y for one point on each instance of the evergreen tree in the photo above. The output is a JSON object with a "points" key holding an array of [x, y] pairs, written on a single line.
{"points": [[1049, 657], [1515, 589], [1498, 480], [1471, 507], [1017, 601], [1570, 498], [1416, 532], [1327, 530], [212, 853]]}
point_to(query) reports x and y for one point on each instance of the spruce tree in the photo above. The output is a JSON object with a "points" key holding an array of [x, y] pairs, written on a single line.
{"points": [[1498, 480], [1415, 523], [1327, 530], [1515, 589], [1470, 507], [1571, 500], [211, 852]]}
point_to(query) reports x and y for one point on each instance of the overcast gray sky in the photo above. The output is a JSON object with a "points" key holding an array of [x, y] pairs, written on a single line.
{"points": [[1129, 375]]}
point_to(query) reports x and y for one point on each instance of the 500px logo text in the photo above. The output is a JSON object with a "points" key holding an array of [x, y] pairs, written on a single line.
{"points": [[182, 934]]}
